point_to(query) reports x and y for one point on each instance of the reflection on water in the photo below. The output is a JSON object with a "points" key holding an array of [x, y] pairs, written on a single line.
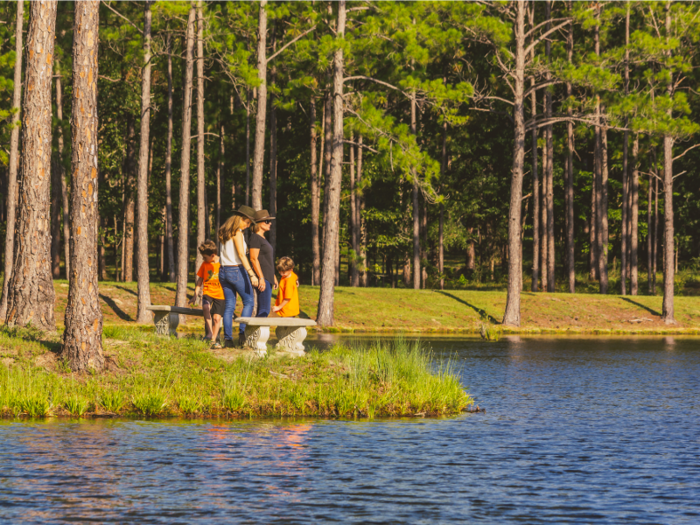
{"points": [[583, 430]]}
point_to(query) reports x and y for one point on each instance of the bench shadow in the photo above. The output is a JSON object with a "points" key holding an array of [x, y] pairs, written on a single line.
{"points": [[640, 305], [482, 313], [127, 290], [115, 308], [34, 335]]}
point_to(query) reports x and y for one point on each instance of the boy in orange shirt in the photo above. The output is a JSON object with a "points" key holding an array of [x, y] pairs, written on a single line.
{"points": [[287, 303], [213, 300]]}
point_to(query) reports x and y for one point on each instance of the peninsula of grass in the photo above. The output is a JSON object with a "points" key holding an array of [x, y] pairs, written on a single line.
{"points": [[150, 376], [444, 311]]}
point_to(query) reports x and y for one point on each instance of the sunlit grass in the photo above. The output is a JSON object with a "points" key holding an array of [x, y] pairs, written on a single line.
{"points": [[158, 377]]}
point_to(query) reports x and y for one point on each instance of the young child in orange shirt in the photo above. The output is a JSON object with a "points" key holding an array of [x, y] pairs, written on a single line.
{"points": [[213, 300], [287, 303]]}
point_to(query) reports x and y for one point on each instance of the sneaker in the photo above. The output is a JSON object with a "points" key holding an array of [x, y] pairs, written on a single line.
{"points": [[229, 344], [241, 341], [216, 345]]}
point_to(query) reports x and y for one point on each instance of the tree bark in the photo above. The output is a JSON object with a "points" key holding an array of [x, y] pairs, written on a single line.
{"points": [[129, 169], [31, 294], [247, 147], [184, 205], [56, 208], [544, 245], [220, 174], [570, 266], [634, 219], [603, 212], [14, 160], [168, 169], [327, 157], [512, 312], [549, 167], [535, 200], [273, 150], [650, 231], [441, 240], [201, 182], [142, 271], [82, 338], [667, 313], [360, 220], [261, 117], [354, 234], [332, 220], [656, 235], [315, 198], [625, 170], [416, 211]]}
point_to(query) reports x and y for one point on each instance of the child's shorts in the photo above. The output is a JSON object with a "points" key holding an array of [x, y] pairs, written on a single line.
{"points": [[216, 305]]}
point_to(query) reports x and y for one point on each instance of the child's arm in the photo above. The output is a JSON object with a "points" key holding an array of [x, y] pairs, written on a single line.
{"points": [[197, 289], [282, 305]]}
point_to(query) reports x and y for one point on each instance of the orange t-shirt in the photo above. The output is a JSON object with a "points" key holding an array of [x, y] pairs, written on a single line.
{"points": [[288, 289], [209, 272]]}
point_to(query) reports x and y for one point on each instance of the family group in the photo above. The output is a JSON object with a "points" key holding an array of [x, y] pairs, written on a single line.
{"points": [[246, 269]]}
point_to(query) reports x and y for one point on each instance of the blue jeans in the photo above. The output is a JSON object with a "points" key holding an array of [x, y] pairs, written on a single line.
{"points": [[234, 279], [264, 300]]}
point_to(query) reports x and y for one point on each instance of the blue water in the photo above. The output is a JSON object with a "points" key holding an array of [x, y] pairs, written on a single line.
{"points": [[576, 431]]}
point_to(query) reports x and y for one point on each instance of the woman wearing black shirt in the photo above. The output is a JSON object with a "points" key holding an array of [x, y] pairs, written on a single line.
{"points": [[262, 259]]}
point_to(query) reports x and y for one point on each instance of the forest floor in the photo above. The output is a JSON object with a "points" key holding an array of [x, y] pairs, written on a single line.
{"points": [[148, 375], [386, 309]]}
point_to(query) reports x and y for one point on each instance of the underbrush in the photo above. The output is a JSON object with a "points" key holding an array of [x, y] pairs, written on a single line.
{"points": [[150, 376]]}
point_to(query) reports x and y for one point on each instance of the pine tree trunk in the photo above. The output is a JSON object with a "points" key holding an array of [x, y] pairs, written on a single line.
{"points": [[669, 276], [220, 175], [55, 218], [201, 182], [261, 117], [544, 245], [593, 251], [82, 338], [549, 167], [142, 270], [184, 205], [441, 240], [169, 244], [129, 169], [570, 247], [650, 231], [512, 312], [603, 256], [247, 147], [656, 236], [354, 237], [625, 259], [31, 294], [332, 219], [416, 211], [14, 160], [634, 219], [360, 220], [327, 156], [424, 244], [315, 198], [535, 176], [273, 150]]}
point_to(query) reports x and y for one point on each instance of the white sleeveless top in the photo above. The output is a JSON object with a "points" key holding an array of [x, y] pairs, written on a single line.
{"points": [[229, 255]]}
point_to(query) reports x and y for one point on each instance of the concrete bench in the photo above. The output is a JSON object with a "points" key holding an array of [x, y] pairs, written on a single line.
{"points": [[290, 332], [167, 318]]}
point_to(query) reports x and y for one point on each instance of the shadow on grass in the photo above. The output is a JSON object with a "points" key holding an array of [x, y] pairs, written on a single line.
{"points": [[34, 335], [115, 308], [482, 313], [642, 306], [127, 290]]}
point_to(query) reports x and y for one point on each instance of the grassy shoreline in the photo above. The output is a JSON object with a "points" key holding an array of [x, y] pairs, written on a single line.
{"points": [[148, 376], [387, 310]]}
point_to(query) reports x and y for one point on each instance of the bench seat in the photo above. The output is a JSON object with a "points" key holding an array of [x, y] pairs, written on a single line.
{"points": [[290, 331], [167, 318]]}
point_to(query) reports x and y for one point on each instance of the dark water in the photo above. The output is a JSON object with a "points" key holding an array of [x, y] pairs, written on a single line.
{"points": [[576, 431]]}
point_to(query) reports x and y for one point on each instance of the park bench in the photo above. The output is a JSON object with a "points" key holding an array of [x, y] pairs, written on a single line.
{"points": [[290, 332], [167, 318]]}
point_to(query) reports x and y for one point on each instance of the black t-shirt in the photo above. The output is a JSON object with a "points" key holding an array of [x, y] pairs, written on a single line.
{"points": [[266, 257]]}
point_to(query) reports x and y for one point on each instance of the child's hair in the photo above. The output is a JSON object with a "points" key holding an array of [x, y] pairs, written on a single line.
{"points": [[230, 227], [207, 248], [285, 264]]}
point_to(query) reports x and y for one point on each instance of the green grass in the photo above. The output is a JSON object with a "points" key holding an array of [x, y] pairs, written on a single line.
{"points": [[149, 376]]}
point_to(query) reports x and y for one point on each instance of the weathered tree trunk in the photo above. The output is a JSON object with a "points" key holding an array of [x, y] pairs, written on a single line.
{"points": [[82, 339], [650, 230], [332, 219], [142, 270], [56, 217], [31, 295], [570, 267], [201, 182], [656, 235], [603, 215], [247, 147], [592, 254], [512, 312], [416, 210], [273, 150], [634, 219], [129, 169], [169, 248], [14, 159], [184, 205], [624, 273], [667, 313], [544, 245], [327, 157], [535, 201], [549, 167], [441, 240], [261, 117], [315, 198]]}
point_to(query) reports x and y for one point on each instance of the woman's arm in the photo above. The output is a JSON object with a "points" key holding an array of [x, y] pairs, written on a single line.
{"points": [[255, 262], [240, 249]]}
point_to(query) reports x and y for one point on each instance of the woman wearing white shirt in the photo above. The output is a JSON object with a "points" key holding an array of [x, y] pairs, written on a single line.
{"points": [[236, 274]]}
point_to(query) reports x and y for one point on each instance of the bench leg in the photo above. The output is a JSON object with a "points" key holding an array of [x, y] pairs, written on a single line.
{"points": [[166, 323], [256, 338], [291, 339]]}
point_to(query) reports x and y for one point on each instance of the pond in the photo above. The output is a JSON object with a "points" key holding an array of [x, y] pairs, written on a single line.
{"points": [[575, 430]]}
